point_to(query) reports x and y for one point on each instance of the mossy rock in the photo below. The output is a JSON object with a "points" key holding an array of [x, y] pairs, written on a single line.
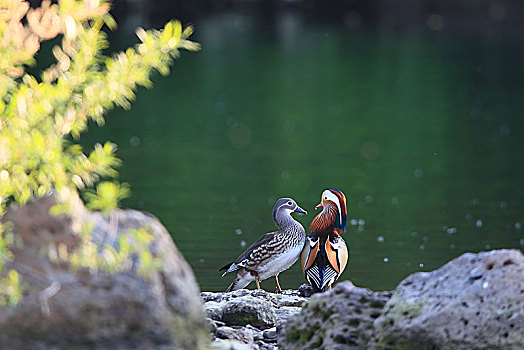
{"points": [[249, 310]]}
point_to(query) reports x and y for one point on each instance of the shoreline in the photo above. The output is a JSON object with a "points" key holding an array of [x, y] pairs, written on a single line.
{"points": [[472, 302]]}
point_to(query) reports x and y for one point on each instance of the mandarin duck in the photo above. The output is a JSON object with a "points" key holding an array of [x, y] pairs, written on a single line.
{"points": [[325, 253], [272, 253]]}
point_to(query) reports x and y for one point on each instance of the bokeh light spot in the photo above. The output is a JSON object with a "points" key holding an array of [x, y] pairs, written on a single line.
{"points": [[240, 135], [370, 150], [134, 141], [436, 22], [497, 11]]}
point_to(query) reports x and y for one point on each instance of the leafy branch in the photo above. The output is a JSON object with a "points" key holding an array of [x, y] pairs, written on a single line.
{"points": [[39, 114]]}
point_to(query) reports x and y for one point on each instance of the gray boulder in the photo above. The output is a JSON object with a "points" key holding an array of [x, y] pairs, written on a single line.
{"points": [[339, 319], [257, 308], [249, 310], [475, 301], [86, 309], [286, 312], [214, 310]]}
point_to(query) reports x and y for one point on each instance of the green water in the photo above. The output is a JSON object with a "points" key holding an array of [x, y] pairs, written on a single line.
{"points": [[423, 133]]}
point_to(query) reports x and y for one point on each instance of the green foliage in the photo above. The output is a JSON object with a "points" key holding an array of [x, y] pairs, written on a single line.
{"points": [[39, 113], [107, 196], [10, 291], [132, 253]]}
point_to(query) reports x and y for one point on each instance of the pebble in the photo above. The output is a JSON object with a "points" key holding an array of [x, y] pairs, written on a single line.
{"points": [[270, 335]]}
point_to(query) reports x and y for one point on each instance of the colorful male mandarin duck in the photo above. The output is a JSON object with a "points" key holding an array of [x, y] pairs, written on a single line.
{"points": [[325, 253], [272, 253]]}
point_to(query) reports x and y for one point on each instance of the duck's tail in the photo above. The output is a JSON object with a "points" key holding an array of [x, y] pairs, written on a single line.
{"points": [[242, 279], [321, 277], [231, 287], [225, 268], [229, 268]]}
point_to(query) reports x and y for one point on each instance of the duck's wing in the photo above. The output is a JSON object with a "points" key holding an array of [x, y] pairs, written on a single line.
{"points": [[309, 253], [254, 254], [323, 263], [337, 253], [315, 264]]}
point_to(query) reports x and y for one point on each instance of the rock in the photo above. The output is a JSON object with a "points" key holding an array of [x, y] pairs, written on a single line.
{"points": [[257, 293], [214, 324], [270, 335], [238, 333], [257, 333], [284, 313], [305, 290], [242, 292], [265, 346], [228, 345], [476, 301], [210, 296], [213, 310], [287, 311], [63, 308], [282, 300], [339, 319], [249, 310]]}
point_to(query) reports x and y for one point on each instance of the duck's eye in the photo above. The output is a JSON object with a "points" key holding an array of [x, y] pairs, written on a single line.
{"points": [[325, 198], [289, 203]]}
